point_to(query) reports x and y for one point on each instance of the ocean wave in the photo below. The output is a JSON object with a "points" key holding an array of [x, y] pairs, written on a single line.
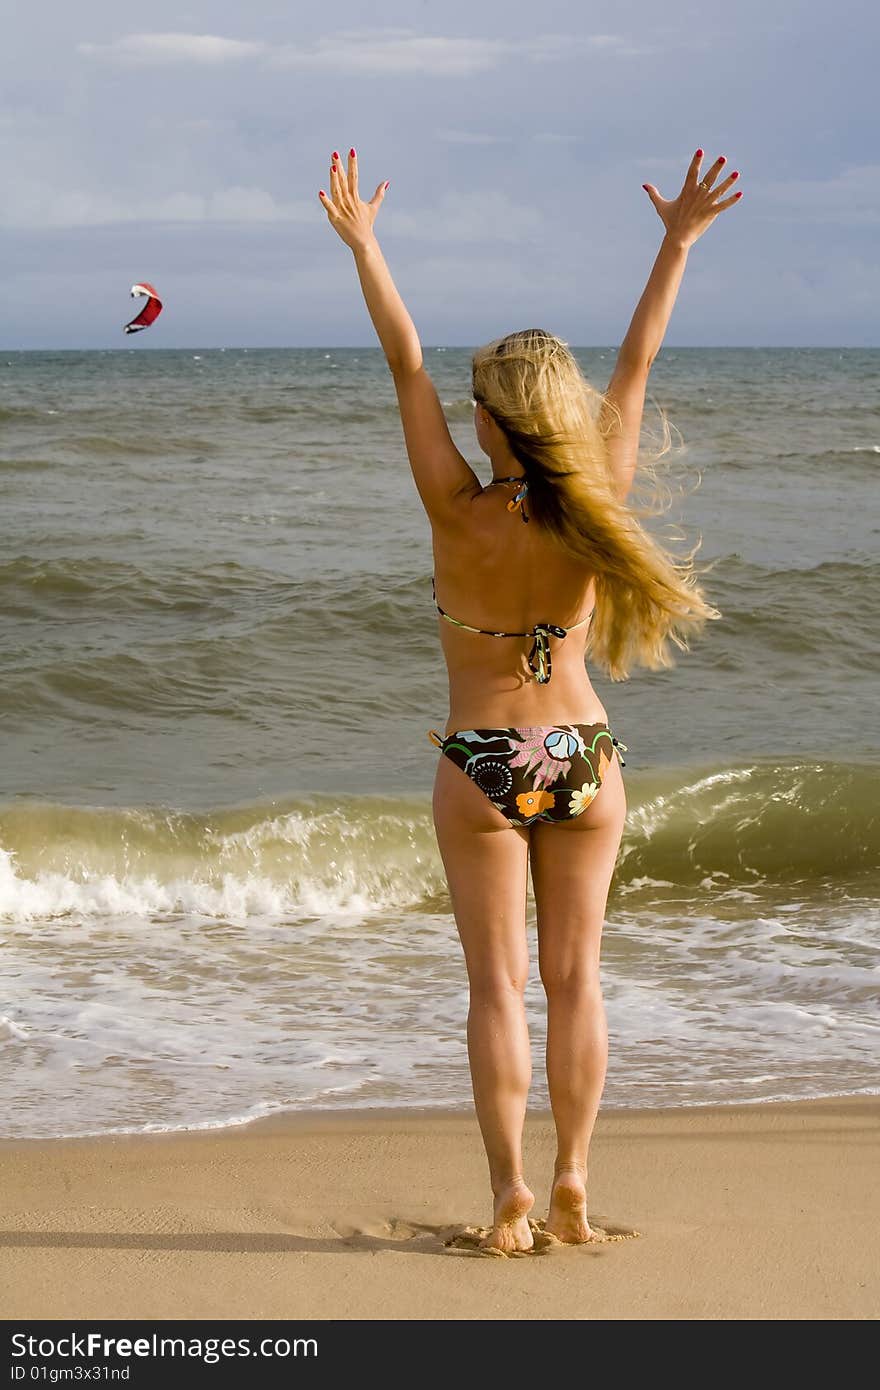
{"points": [[810, 610], [25, 465], [308, 856], [461, 408], [136, 444], [779, 822], [33, 587], [23, 414], [759, 822], [858, 457]]}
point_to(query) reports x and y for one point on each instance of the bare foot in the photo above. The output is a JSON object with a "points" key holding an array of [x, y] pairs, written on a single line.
{"points": [[511, 1230], [567, 1218]]}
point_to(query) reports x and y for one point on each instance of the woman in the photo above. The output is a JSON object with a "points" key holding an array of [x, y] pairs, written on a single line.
{"points": [[544, 564]]}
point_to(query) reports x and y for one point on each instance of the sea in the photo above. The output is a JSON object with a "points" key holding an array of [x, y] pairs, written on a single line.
{"points": [[220, 893]]}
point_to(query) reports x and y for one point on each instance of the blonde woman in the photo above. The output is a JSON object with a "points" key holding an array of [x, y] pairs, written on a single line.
{"points": [[544, 564]]}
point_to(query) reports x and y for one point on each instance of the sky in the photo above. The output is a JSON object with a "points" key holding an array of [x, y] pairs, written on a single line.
{"points": [[185, 144]]}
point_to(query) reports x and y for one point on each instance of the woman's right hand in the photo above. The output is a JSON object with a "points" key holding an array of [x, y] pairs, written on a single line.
{"points": [[348, 214], [696, 207]]}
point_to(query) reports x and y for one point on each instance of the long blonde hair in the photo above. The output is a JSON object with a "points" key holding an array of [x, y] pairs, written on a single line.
{"points": [[558, 427]]}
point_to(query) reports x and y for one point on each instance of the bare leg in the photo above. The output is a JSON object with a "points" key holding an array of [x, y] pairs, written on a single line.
{"points": [[486, 862], [572, 865]]}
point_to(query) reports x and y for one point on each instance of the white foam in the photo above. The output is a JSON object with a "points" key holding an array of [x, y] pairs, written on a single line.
{"points": [[340, 890], [8, 1029], [633, 885], [177, 1020]]}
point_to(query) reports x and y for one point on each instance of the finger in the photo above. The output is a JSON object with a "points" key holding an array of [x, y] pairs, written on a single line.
{"points": [[727, 183], [652, 193], [352, 173], [708, 180], [329, 205], [728, 203], [337, 189], [378, 195], [338, 184], [693, 173]]}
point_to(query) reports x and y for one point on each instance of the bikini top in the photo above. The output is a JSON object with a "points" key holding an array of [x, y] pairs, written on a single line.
{"points": [[539, 657]]}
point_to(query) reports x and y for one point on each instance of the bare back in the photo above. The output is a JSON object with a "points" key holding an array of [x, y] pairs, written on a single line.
{"points": [[494, 572]]}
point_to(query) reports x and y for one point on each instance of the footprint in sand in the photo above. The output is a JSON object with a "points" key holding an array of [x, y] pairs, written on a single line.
{"points": [[468, 1241], [386, 1232]]}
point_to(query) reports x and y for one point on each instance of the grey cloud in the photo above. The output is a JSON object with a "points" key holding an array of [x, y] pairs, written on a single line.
{"points": [[150, 50], [850, 199], [403, 51], [45, 205], [492, 217], [470, 137], [188, 146], [555, 137], [366, 51]]}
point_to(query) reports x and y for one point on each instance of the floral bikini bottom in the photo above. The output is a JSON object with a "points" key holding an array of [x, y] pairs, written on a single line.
{"points": [[534, 773]]}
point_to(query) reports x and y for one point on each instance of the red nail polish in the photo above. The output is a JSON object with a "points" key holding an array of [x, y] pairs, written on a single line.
{"points": [[722, 159], [335, 154], [737, 195], [321, 193], [699, 154], [387, 181], [735, 174], [351, 153]]}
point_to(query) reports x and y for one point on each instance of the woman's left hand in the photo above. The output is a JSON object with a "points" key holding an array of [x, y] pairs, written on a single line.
{"points": [[351, 217]]}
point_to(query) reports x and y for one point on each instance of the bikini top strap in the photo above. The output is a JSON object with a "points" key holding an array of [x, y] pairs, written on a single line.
{"points": [[516, 502], [484, 632], [541, 632]]}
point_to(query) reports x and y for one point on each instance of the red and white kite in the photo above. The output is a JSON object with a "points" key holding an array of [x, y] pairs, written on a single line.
{"points": [[151, 310]]}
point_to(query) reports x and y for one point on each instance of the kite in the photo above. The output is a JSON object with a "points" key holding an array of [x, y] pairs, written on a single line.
{"points": [[150, 312]]}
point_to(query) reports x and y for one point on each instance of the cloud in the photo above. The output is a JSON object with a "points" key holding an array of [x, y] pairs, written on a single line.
{"points": [[404, 51], [485, 217], [852, 199], [358, 51], [555, 137], [470, 137], [484, 137], [45, 206], [150, 50]]}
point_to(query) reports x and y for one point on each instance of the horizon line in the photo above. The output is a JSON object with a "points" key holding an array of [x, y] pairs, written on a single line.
{"points": [[459, 347]]}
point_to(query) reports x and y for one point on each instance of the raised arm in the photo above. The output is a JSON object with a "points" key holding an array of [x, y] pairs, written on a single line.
{"points": [[442, 475], [685, 219]]}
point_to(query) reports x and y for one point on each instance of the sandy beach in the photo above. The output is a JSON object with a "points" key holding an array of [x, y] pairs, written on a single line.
{"points": [[742, 1212]]}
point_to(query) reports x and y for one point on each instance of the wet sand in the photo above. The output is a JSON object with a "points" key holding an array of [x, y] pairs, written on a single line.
{"points": [[742, 1212]]}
